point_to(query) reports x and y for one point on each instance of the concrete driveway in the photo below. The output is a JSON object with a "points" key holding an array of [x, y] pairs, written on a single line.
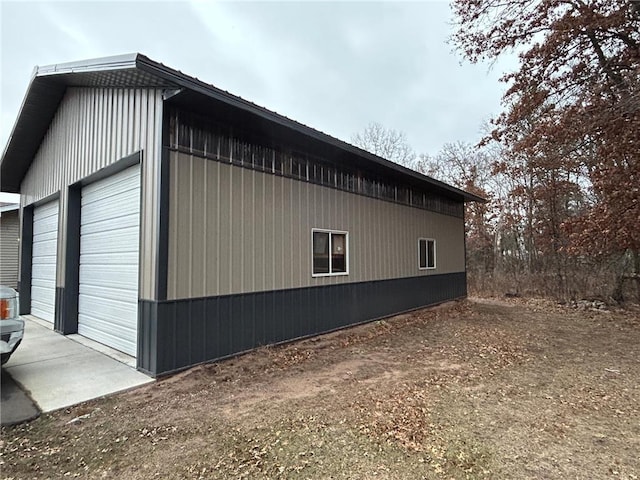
{"points": [[59, 371]]}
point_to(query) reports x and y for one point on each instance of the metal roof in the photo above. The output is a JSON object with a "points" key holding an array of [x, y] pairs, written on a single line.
{"points": [[8, 207], [48, 85]]}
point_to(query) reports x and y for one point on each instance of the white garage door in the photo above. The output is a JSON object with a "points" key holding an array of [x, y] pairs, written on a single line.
{"points": [[44, 257], [109, 244]]}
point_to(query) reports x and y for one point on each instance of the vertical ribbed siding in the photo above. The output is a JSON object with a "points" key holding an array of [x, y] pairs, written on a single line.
{"points": [[184, 332], [9, 248], [235, 230], [93, 128]]}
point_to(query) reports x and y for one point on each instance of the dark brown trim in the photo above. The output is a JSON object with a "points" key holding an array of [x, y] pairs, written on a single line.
{"points": [[67, 319], [162, 254], [111, 169], [26, 253], [67, 298]]}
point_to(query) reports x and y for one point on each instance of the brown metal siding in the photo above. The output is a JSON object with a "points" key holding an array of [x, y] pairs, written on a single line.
{"points": [[93, 128], [9, 248], [236, 230]]}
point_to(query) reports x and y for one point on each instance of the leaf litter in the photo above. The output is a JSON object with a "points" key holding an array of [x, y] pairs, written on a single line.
{"points": [[484, 388]]}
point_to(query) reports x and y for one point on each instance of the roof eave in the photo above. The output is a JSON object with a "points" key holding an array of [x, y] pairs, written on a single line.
{"points": [[10, 188], [175, 77], [11, 176], [199, 86]]}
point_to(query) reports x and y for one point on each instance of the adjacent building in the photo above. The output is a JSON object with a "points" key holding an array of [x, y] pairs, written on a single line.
{"points": [[9, 243]]}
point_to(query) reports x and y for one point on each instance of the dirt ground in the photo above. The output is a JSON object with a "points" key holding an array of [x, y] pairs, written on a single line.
{"points": [[476, 389]]}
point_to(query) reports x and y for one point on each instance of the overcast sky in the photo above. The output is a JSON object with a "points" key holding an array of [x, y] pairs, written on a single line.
{"points": [[334, 66]]}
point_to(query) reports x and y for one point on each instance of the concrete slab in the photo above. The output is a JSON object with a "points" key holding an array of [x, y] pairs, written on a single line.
{"points": [[58, 372], [40, 343]]}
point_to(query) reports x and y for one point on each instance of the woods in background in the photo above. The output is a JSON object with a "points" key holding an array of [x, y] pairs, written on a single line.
{"points": [[561, 165]]}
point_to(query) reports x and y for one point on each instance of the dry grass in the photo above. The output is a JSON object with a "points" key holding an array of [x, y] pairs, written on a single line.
{"points": [[478, 389]]}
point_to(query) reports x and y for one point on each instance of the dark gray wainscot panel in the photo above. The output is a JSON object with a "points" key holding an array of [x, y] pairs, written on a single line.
{"points": [[180, 333]]}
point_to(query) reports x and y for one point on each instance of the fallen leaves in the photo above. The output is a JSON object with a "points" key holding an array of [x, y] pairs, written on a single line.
{"points": [[478, 390]]}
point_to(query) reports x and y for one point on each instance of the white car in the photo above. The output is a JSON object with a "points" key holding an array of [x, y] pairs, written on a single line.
{"points": [[11, 325]]}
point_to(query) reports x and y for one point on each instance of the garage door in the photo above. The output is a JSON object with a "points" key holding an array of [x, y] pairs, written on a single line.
{"points": [[44, 258], [109, 244]]}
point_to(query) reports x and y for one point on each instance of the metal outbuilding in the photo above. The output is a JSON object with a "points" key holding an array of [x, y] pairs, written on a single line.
{"points": [[9, 244], [180, 224]]}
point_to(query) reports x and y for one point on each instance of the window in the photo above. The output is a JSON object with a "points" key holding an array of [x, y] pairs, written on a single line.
{"points": [[426, 253], [329, 253]]}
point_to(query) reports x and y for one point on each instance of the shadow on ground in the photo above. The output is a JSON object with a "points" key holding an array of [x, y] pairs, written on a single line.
{"points": [[16, 406]]}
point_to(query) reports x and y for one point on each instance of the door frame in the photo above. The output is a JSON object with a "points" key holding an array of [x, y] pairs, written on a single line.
{"points": [[69, 309]]}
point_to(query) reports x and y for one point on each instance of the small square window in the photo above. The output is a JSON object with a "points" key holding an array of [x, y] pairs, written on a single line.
{"points": [[330, 253], [426, 253]]}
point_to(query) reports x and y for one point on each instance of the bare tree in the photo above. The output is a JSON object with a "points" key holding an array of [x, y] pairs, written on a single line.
{"points": [[471, 169], [385, 142], [571, 123]]}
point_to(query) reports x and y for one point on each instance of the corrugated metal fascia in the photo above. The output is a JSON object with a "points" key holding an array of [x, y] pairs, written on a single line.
{"points": [[115, 62]]}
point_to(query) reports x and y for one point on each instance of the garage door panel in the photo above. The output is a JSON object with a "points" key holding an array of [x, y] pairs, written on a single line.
{"points": [[45, 218], [110, 280], [105, 212], [43, 252], [125, 258], [105, 195], [43, 280], [108, 295], [43, 277], [49, 235], [118, 241], [43, 260], [98, 274], [47, 210], [108, 311], [45, 295], [109, 258], [44, 263], [120, 221], [49, 230], [121, 183], [44, 309], [110, 336], [45, 299], [44, 270], [111, 331], [43, 306]]}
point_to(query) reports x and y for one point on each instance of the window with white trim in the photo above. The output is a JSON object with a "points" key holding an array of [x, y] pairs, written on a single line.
{"points": [[330, 252], [426, 253]]}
